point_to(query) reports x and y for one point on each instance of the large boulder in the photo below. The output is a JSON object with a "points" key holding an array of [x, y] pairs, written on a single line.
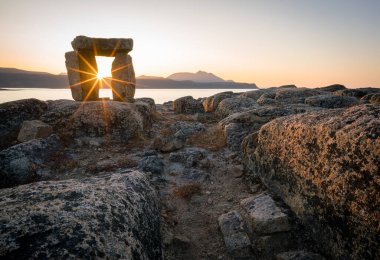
{"points": [[295, 95], [325, 165], [332, 88], [239, 125], [232, 105], [21, 163], [118, 121], [330, 101], [187, 105], [13, 114], [114, 216], [211, 103], [358, 92], [254, 94]]}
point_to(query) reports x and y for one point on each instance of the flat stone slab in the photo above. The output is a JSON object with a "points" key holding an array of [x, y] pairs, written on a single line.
{"points": [[265, 216], [299, 255], [34, 129], [235, 238], [102, 46]]}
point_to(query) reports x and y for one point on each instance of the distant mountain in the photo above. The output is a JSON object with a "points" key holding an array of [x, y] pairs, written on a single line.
{"points": [[18, 71], [200, 76], [15, 78]]}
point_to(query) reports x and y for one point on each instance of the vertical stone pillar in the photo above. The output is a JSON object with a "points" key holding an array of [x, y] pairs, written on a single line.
{"points": [[72, 66], [123, 78], [82, 72]]}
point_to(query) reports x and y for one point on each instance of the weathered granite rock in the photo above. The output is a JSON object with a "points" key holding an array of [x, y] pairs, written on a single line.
{"points": [[153, 164], [123, 78], [299, 255], [288, 86], [115, 120], [266, 101], [358, 93], [102, 46], [185, 129], [239, 125], [234, 234], [375, 99], [168, 144], [296, 95], [189, 156], [332, 88], [113, 216], [211, 103], [34, 129], [187, 105], [325, 166], [254, 94], [229, 106], [20, 164], [13, 114], [330, 101], [82, 73], [149, 101], [265, 216]]}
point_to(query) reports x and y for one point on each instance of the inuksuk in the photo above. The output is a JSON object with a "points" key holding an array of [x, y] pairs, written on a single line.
{"points": [[82, 68]]}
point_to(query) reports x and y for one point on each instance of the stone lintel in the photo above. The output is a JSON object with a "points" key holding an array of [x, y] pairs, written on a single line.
{"points": [[102, 46]]}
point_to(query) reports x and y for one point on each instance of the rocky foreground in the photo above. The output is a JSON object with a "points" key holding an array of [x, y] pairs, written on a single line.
{"points": [[280, 173]]}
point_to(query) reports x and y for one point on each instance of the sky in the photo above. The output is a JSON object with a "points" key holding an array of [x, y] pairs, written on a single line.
{"points": [[273, 42]]}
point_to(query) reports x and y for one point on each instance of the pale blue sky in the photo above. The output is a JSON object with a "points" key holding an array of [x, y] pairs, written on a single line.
{"points": [[306, 42]]}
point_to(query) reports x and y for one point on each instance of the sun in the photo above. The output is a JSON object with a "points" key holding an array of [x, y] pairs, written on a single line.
{"points": [[104, 66]]}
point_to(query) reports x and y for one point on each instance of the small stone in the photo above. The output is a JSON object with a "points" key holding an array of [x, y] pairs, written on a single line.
{"points": [[265, 216], [209, 201], [34, 129], [235, 238]]}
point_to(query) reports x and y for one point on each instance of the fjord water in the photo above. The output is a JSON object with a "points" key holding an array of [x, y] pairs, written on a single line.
{"points": [[159, 95]]}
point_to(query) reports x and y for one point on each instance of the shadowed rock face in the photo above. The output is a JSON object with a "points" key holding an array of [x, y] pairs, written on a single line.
{"points": [[19, 164], [325, 166], [13, 114], [114, 216]]}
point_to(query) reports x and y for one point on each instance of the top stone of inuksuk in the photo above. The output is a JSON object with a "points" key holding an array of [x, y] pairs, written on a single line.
{"points": [[82, 68]]}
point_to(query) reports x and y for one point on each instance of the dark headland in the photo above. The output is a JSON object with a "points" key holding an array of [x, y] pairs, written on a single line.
{"points": [[15, 78], [280, 173]]}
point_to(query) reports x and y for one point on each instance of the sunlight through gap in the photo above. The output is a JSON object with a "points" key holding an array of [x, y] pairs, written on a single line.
{"points": [[104, 66]]}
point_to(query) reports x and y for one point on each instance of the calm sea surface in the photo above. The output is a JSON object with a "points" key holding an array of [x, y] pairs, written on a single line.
{"points": [[159, 95]]}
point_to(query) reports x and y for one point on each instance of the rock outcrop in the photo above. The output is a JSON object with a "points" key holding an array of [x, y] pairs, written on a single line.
{"points": [[34, 129], [187, 105], [211, 103], [113, 216], [115, 120], [325, 166], [20, 164], [228, 106], [13, 114], [329, 101]]}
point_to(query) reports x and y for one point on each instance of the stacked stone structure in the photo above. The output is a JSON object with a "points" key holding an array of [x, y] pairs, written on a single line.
{"points": [[82, 68]]}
